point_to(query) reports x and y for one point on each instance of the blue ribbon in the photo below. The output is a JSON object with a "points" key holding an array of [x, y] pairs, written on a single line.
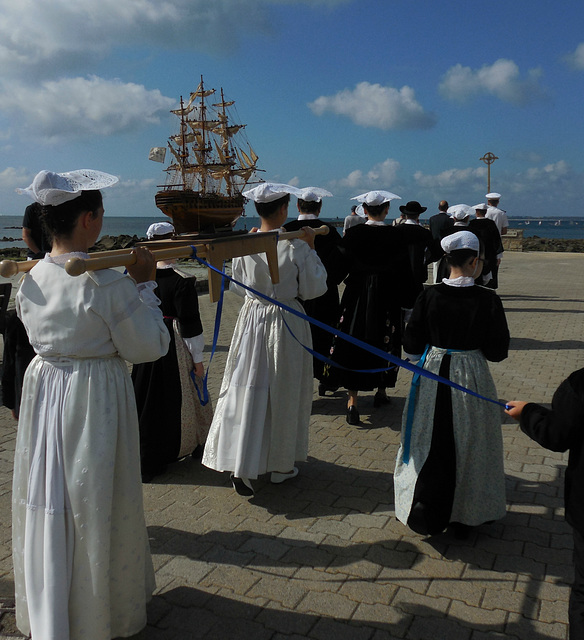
{"points": [[204, 398], [388, 357], [411, 406]]}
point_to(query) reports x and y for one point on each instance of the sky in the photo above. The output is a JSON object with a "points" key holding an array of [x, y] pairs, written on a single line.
{"points": [[349, 95]]}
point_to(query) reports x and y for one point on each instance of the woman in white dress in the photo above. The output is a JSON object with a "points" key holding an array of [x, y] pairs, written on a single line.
{"points": [[262, 415], [82, 562]]}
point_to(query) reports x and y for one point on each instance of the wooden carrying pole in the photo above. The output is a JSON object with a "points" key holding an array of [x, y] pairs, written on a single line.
{"points": [[9, 268], [216, 251]]}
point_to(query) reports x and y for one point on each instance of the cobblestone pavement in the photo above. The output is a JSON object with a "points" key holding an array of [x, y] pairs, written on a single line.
{"points": [[322, 556]]}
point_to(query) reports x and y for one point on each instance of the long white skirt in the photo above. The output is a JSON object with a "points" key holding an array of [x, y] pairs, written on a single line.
{"points": [[263, 411], [82, 561]]}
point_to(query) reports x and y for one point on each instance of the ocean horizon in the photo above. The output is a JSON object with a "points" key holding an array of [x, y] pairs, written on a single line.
{"points": [[553, 227]]}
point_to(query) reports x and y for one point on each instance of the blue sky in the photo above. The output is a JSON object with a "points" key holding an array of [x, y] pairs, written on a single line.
{"points": [[350, 95]]}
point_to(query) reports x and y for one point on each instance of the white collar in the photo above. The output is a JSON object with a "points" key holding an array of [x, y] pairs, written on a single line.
{"points": [[461, 281], [307, 216], [376, 223], [408, 221], [62, 259]]}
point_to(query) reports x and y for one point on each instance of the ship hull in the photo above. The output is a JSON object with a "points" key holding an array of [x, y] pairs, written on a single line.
{"points": [[191, 211]]}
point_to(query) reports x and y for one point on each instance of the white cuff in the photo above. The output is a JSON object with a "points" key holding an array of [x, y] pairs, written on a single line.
{"points": [[195, 345], [147, 295]]}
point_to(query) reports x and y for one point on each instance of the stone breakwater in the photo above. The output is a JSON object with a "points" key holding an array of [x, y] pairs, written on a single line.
{"points": [[553, 244]]}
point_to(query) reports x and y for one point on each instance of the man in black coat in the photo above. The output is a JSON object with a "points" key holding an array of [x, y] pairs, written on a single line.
{"points": [[418, 241], [440, 225], [490, 238]]}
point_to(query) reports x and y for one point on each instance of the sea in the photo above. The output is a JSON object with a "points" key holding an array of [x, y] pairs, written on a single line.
{"points": [[554, 228]]}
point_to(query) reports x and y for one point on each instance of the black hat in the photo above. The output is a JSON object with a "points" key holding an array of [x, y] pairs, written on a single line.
{"points": [[412, 208]]}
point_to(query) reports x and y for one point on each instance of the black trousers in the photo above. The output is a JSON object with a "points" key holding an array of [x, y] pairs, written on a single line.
{"points": [[576, 606]]}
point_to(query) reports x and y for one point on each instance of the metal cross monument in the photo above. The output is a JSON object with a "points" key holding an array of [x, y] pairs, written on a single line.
{"points": [[488, 159]]}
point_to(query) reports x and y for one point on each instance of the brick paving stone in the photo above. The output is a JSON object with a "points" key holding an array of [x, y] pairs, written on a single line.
{"points": [[424, 628], [325, 629], [368, 592], [533, 629], [279, 589], [332, 605], [463, 590], [412, 602], [510, 601], [359, 569], [492, 618]]}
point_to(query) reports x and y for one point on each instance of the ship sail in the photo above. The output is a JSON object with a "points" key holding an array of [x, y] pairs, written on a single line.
{"points": [[209, 168]]}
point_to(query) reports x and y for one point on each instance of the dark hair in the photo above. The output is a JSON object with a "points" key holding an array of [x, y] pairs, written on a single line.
{"points": [[458, 257], [375, 210], [59, 220], [267, 209], [311, 206]]}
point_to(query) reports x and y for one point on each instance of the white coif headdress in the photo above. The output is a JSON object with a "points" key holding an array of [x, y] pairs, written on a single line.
{"points": [[314, 194], [459, 211], [460, 240], [159, 229], [270, 191], [50, 188], [375, 198]]}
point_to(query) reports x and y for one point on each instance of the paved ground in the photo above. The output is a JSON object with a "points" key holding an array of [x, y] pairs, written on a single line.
{"points": [[322, 556]]}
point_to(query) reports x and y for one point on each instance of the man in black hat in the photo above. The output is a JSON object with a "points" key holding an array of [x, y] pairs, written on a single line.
{"points": [[418, 240]]}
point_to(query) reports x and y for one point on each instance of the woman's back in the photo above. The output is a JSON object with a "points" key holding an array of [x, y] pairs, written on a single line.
{"points": [[462, 318]]}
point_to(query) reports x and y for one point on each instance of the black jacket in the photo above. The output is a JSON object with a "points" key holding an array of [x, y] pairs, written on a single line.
{"points": [[562, 429]]}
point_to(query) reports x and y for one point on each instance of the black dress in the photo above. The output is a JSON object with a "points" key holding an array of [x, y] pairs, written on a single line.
{"points": [[378, 285], [157, 384], [490, 238], [455, 471], [419, 244], [18, 353], [326, 307]]}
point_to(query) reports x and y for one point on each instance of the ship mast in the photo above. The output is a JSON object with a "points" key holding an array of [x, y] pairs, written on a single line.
{"points": [[225, 146], [205, 153], [184, 152], [203, 118]]}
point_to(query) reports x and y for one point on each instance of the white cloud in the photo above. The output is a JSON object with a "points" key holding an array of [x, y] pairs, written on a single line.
{"points": [[82, 107], [11, 177], [382, 175], [453, 179], [549, 174], [576, 58], [37, 35], [501, 79], [372, 105]]}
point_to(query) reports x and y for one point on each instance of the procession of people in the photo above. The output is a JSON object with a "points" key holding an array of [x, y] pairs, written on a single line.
{"points": [[90, 434]]}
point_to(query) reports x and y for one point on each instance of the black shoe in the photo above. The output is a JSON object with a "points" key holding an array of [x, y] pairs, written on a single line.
{"points": [[149, 474], [323, 388], [379, 399], [461, 531], [353, 416], [242, 486]]}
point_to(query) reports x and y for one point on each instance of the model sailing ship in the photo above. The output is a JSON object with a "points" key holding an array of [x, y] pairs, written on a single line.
{"points": [[210, 169]]}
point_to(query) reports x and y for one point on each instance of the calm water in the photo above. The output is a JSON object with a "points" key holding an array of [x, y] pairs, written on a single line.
{"points": [[566, 228]]}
